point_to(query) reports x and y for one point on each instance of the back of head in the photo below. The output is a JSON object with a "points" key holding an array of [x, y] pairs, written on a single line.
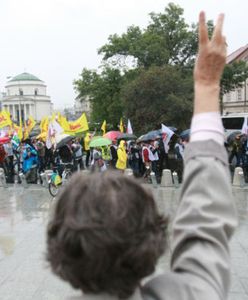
{"points": [[106, 234]]}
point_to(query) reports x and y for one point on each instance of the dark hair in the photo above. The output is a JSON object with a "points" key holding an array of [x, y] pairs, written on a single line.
{"points": [[106, 234]]}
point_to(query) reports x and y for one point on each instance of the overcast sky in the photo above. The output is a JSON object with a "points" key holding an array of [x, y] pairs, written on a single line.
{"points": [[56, 39]]}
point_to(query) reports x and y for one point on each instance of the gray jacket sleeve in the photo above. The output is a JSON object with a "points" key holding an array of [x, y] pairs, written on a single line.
{"points": [[203, 226]]}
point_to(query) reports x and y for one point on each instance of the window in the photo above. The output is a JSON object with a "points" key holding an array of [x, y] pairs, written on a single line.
{"points": [[36, 92], [20, 92], [239, 94], [228, 97], [235, 123]]}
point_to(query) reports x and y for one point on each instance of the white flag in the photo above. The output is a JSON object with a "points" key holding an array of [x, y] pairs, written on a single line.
{"points": [[244, 129], [167, 133], [53, 129], [129, 127]]}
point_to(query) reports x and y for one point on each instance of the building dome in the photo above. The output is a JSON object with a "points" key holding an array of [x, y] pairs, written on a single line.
{"points": [[25, 77], [26, 96]]}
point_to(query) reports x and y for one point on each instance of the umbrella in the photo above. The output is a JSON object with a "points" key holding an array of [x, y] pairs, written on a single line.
{"points": [[4, 139], [151, 135], [127, 136], [231, 137], [185, 134], [112, 135], [34, 133], [62, 139], [99, 141]]}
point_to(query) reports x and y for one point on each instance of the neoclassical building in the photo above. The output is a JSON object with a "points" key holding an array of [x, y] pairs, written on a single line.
{"points": [[25, 95], [236, 101]]}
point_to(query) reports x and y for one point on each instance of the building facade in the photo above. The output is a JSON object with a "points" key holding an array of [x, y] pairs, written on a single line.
{"points": [[236, 101], [25, 95], [82, 105]]}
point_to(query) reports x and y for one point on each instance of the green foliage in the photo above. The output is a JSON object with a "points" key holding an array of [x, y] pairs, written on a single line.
{"points": [[159, 95], [166, 40], [103, 90], [147, 74], [234, 76]]}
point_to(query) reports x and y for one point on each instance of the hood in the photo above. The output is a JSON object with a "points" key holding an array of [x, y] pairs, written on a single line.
{"points": [[122, 144]]}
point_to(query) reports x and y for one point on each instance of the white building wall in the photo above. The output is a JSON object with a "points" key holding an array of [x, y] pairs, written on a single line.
{"points": [[43, 109], [27, 88]]}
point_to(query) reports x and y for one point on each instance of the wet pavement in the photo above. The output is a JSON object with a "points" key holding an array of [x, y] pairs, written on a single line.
{"points": [[24, 273]]}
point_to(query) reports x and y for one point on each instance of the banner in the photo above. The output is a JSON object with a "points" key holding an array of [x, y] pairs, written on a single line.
{"points": [[18, 131], [121, 127], [104, 127], [129, 127], [80, 125], [44, 124], [54, 128], [30, 124], [5, 119], [167, 133]]}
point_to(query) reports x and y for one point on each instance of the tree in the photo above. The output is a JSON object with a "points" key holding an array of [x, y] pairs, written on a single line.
{"points": [[168, 39], [103, 90], [147, 73], [159, 95]]}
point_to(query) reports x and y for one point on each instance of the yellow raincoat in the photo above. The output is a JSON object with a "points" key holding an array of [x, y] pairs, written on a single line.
{"points": [[87, 140], [122, 156]]}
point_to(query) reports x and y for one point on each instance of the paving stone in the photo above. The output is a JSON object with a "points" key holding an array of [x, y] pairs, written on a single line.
{"points": [[24, 273]]}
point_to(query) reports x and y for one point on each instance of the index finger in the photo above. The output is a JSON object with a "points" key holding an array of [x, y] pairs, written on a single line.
{"points": [[203, 32], [217, 34]]}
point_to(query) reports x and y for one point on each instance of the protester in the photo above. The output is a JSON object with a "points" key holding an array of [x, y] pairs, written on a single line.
{"points": [[114, 157], [9, 162], [134, 158], [121, 163], [40, 147], [30, 163], [147, 157], [179, 154], [97, 162], [87, 140], [106, 234], [154, 148], [77, 150], [2, 157]]}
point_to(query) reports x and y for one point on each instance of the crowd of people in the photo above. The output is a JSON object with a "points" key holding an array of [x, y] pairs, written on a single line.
{"points": [[32, 157]]}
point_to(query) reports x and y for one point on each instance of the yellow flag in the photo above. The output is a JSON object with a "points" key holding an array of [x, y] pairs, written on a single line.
{"points": [[104, 127], [121, 127], [5, 119], [44, 124], [80, 125], [18, 130], [30, 124], [64, 123]]}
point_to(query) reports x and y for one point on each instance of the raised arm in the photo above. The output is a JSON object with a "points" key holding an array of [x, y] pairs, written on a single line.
{"points": [[206, 217]]}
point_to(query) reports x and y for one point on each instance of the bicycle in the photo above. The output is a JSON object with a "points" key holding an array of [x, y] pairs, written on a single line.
{"points": [[56, 181]]}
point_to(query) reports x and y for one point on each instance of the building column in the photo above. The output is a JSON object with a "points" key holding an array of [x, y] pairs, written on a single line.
{"points": [[25, 112], [20, 112], [14, 112]]}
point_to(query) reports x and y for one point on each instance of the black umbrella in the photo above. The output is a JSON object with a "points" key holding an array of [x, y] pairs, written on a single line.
{"points": [[127, 137], [63, 139], [185, 134], [232, 136]]}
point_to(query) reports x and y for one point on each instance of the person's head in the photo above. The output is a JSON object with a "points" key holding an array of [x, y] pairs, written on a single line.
{"points": [[106, 234], [122, 144]]}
